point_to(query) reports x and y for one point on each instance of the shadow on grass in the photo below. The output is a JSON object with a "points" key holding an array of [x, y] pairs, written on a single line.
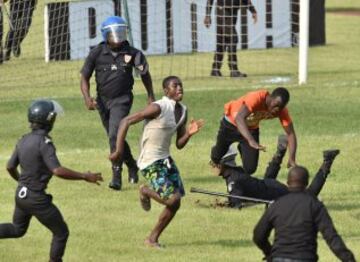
{"points": [[342, 206], [220, 242]]}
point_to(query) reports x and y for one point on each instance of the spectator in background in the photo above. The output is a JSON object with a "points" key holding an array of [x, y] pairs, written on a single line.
{"points": [[226, 35], [21, 12], [297, 218]]}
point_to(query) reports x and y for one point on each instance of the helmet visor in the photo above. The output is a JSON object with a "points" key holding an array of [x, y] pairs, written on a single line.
{"points": [[58, 109], [116, 33]]}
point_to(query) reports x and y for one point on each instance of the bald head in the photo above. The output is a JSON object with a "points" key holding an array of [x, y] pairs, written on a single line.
{"points": [[298, 177]]}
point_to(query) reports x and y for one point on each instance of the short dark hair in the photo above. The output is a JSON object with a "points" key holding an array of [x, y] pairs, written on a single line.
{"points": [[283, 93], [167, 81], [298, 176]]}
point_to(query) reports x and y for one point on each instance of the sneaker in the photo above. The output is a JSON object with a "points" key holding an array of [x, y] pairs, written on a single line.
{"points": [[215, 72], [237, 73], [133, 175], [144, 200]]}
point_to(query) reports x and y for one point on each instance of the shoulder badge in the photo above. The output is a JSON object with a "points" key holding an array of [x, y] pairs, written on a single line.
{"points": [[127, 58], [48, 140]]}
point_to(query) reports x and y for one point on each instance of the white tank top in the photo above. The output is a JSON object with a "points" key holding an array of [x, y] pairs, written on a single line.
{"points": [[157, 134]]}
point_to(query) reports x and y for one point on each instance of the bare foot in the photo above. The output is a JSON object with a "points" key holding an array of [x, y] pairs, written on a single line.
{"points": [[144, 200], [152, 244]]}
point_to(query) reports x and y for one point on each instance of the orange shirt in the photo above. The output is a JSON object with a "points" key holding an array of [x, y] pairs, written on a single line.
{"points": [[255, 102]]}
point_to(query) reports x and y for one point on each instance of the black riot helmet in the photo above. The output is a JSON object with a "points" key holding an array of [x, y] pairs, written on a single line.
{"points": [[43, 113]]}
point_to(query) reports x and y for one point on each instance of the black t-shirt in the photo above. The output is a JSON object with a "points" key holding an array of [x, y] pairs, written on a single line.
{"points": [[113, 74], [36, 155]]}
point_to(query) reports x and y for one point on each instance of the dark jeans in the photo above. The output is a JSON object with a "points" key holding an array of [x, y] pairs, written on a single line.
{"points": [[40, 205], [112, 111], [228, 134], [20, 16]]}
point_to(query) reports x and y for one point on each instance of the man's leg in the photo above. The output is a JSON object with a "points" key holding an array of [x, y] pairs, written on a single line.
{"points": [[172, 205], [19, 226], [227, 135], [166, 189], [50, 216], [24, 22], [14, 12], [320, 178], [274, 165], [249, 155], [120, 108]]}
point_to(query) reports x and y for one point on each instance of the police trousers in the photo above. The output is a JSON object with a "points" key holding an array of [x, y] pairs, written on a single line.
{"points": [[112, 111], [228, 134], [40, 205]]}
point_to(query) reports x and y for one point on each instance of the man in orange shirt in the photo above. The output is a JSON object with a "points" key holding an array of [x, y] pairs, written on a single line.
{"points": [[241, 124]]}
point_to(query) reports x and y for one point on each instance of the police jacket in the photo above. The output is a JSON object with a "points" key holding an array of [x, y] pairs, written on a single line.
{"points": [[297, 217], [36, 155], [114, 71]]}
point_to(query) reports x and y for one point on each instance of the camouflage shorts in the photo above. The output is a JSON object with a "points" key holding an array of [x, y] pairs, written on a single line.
{"points": [[164, 178]]}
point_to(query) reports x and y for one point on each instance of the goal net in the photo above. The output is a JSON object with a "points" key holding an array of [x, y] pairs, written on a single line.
{"points": [[45, 42]]}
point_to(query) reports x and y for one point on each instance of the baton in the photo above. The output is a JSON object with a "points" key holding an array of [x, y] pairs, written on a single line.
{"points": [[249, 199]]}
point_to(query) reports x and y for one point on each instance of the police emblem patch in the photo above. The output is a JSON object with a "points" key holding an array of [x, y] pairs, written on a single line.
{"points": [[127, 58], [114, 67], [140, 67]]}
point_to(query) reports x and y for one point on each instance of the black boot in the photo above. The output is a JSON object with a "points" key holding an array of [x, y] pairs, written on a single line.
{"points": [[281, 148], [133, 177], [237, 73], [329, 157], [215, 72], [116, 178]]}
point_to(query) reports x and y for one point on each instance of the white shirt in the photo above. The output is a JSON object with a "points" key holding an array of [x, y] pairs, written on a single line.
{"points": [[157, 134]]}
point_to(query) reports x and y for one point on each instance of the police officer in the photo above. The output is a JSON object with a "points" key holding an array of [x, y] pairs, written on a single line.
{"points": [[241, 184], [297, 217], [226, 35], [36, 155], [113, 61]]}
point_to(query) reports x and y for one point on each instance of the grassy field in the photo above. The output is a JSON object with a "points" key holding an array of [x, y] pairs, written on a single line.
{"points": [[110, 226]]}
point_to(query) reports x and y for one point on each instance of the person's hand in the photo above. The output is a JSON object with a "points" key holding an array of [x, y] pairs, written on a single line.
{"points": [[291, 163], [195, 126], [93, 177], [255, 145], [207, 21], [114, 156], [91, 103], [150, 100], [255, 17]]}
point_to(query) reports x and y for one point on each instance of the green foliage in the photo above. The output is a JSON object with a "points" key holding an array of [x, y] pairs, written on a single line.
{"points": [[110, 226]]}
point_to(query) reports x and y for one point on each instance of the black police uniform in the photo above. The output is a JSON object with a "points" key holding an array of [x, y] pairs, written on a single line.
{"points": [[36, 156], [241, 184], [297, 217], [114, 81], [21, 12], [226, 34]]}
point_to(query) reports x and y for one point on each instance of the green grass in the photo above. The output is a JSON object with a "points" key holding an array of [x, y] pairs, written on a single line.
{"points": [[110, 226]]}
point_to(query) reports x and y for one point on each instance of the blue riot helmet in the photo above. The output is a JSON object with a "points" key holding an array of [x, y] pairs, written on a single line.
{"points": [[114, 31]]}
